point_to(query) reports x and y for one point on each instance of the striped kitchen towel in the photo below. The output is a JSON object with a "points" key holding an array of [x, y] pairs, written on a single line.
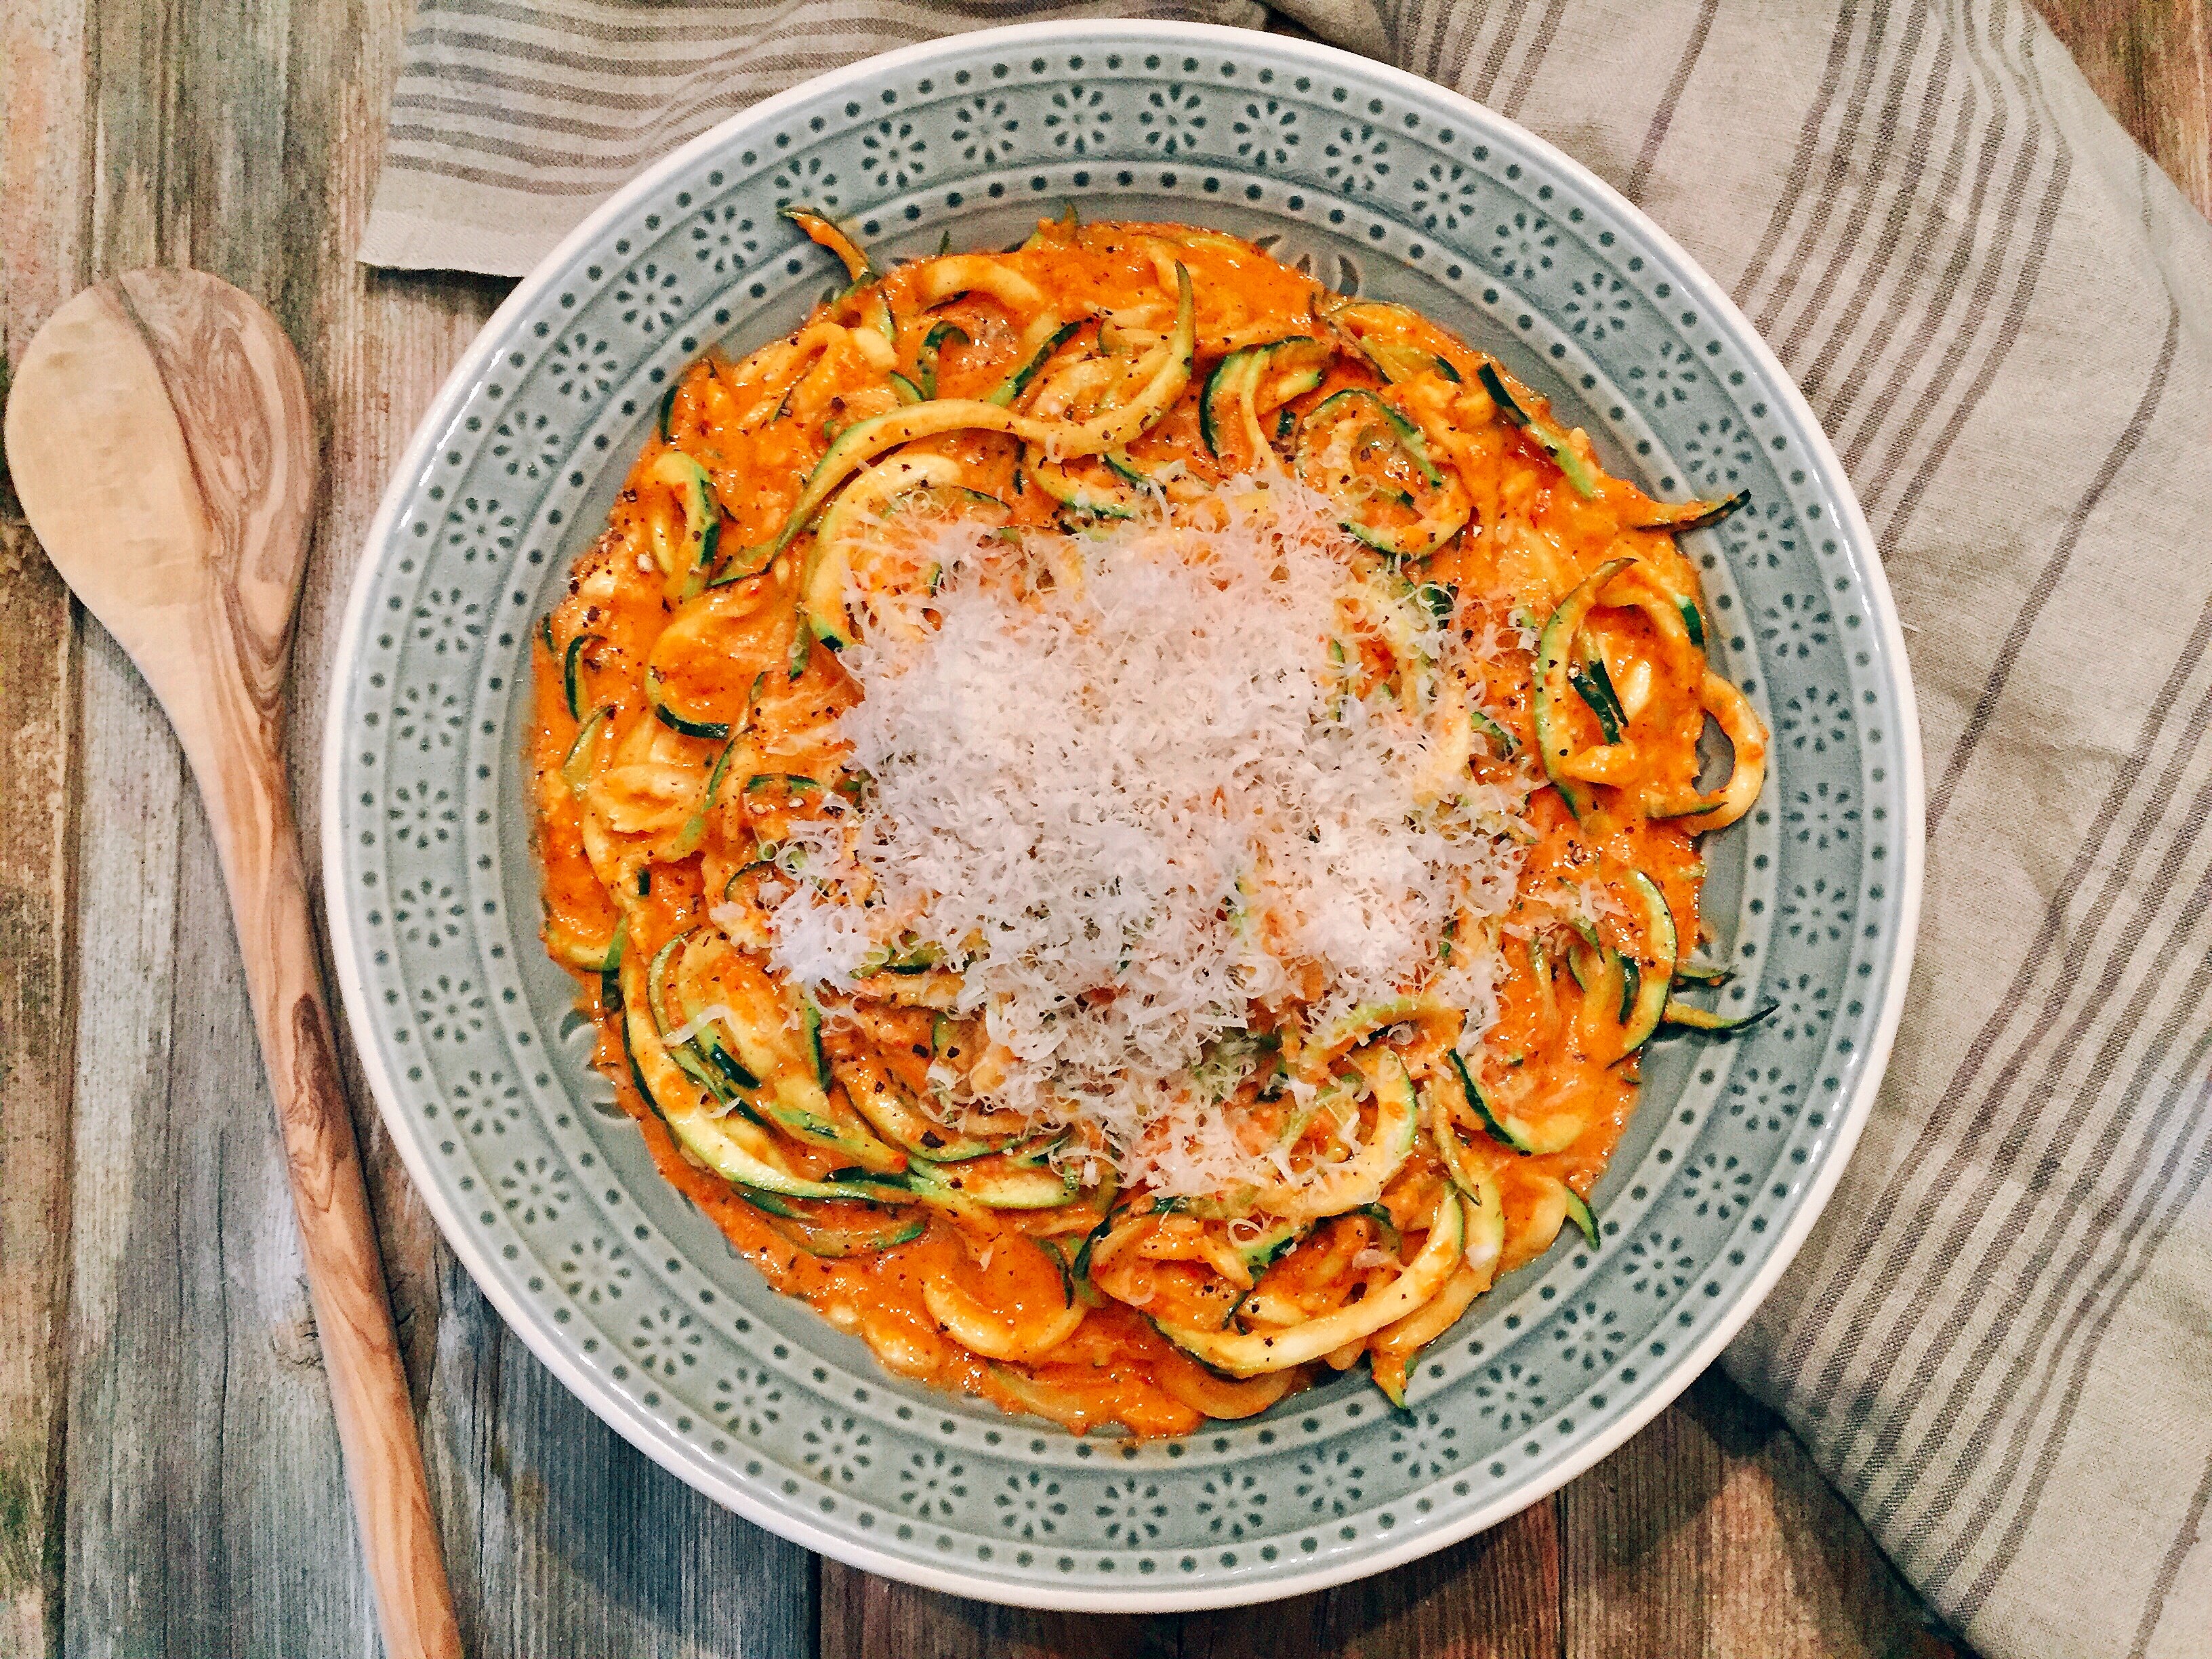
{"points": [[512, 118], [1999, 1341]]}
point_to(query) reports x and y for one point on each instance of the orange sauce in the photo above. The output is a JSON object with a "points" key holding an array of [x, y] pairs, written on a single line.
{"points": [[636, 828]]}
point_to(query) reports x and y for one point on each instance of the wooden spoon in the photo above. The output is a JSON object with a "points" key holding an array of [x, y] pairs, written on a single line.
{"points": [[161, 444]]}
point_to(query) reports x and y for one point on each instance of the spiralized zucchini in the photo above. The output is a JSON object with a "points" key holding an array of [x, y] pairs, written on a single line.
{"points": [[1528, 617]]}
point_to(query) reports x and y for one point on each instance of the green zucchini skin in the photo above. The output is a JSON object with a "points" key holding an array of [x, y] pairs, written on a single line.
{"points": [[1583, 1217], [1694, 620], [1645, 990], [932, 344], [1493, 1124], [713, 730], [1081, 1266], [1408, 435], [1271, 1245], [576, 765], [866, 439], [1017, 1188], [758, 1041], [695, 827], [840, 1241], [895, 1115], [793, 783], [1220, 381], [703, 518], [917, 958], [1393, 1240], [1238, 374], [1554, 649], [687, 1055], [1018, 382], [1578, 471], [1396, 360], [809, 1026], [859, 264], [572, 668], [1501, 740], [693, 1124], [1119, 462], [877, 311], [1076, 498], [1682, 1016], [1595, 685], [611, 997], [1706, 519], [1418, 539]]}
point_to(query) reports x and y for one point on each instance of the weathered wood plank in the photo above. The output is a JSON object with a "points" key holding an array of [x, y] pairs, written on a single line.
{"points": [[42, 123], [38, 670], [1711, 1534], [201, 1459], [561, 1538], [2151, 62], [205, 1491], [207, 1511], [374, 349], [1495, 1596], [864, 1615]]}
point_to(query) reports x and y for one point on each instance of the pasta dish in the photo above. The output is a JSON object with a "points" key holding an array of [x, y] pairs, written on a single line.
{"points": [[1126, 820]]}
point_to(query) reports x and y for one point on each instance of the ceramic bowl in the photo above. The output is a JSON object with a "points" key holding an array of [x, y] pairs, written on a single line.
{"points": [[1382, 184]]}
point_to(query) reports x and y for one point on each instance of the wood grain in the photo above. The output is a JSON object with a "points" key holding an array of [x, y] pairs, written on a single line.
{"points": [[561, 1538], [201, 1433], [184, 384], [1494, 1596], [42, 224], [2151, 62], [564, 1542], [205, 1491], [38, 671], [1711, 1536]]}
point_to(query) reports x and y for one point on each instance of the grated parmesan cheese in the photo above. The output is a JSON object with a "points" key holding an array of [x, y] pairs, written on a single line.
{"points": [[1137, 800]]}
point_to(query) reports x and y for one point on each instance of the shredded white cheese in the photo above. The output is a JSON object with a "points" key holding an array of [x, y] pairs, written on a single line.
{"points": [[1133, 805]]}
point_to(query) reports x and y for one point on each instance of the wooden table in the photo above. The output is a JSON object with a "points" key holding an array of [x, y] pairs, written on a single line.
{"points": [[168, 1471]]}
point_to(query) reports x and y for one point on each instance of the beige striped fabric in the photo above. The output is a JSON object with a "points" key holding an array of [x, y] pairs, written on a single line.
{"points": [[513, 119], [1999, 1342]]}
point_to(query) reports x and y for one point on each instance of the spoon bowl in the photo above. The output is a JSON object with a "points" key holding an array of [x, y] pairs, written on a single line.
{"points": [[160, 437]]}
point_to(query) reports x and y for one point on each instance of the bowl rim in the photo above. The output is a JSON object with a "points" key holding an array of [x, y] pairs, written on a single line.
{"points": [[733, 1492]]}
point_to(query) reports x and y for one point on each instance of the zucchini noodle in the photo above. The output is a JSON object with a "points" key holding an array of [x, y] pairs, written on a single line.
{"points": [[1125, 821]]}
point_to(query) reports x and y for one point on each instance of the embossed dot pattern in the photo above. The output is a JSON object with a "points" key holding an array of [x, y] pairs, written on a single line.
{"points": [[1377, 185]]}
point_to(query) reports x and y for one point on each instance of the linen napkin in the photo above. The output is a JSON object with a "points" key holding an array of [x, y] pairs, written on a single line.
{"points": [[1998, 1343]]}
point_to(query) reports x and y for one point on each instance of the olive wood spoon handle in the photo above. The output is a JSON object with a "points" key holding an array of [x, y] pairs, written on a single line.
{"points": [[161, 444]]}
